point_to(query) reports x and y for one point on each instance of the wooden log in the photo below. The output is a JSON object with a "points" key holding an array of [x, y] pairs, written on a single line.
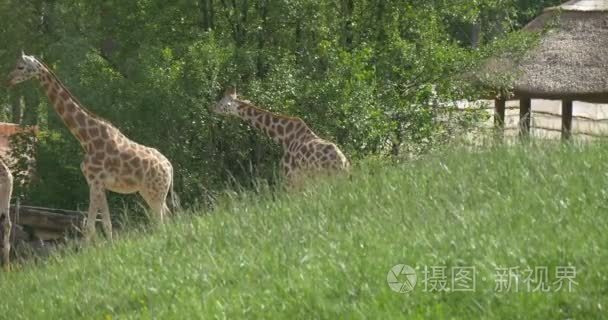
{"points": [[37, 245], [566, 119], [53, 210], [47, 220], [47, 235], [17, 234], [33, 248]]}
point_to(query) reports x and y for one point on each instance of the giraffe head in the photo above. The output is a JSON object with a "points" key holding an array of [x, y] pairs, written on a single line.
{"points": [[228, 104], [27, 67]]}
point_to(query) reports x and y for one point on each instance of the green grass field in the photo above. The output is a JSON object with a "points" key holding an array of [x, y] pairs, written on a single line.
{"points": [[325, 252]]}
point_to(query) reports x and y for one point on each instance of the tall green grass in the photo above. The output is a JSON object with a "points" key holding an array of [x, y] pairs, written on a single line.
{"points": [[325, 251]]}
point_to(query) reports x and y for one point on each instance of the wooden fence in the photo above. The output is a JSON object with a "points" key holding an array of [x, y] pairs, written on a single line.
{"points": [[589, 121], [37, 224]]}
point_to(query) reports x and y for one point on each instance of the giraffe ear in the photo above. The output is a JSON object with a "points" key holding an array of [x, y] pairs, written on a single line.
{"points": [[231, 92]]}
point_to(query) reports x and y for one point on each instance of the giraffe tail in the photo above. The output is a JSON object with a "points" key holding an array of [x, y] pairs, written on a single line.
{"points": [[175, 202]]}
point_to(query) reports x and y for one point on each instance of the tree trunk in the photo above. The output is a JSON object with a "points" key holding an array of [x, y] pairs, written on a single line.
{"points": [[475, 34], [380, 32], [16, 108], [30, 112], [206, 7], [348, 7], [263, 12]]}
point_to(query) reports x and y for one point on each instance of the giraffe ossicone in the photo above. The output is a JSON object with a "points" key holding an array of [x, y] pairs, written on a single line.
{"points": [[111, 160], [304, 153]]}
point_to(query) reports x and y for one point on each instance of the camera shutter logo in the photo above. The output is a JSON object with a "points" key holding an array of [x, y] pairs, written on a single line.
{"points": [[401, 278]]}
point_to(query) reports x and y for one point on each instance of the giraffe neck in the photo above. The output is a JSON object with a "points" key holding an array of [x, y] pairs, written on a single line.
{"points": [[283, 130], [84, 125]]}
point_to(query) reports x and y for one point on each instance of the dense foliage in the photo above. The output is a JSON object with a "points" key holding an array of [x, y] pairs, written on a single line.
{"points": [[366, 74]]}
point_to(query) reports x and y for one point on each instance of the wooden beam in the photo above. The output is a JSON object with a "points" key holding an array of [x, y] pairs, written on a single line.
{"points": [[48, 235], [499, 117], [525, 107], [53, 210], [17, 234], [39, 218], [566, 119]]}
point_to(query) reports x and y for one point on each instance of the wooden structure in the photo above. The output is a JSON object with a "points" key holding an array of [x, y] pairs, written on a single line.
{"points": [[33, 225], [570, 63]]}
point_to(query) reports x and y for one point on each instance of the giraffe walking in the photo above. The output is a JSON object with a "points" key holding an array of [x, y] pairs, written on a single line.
{"points": [[6, 189], [303, 151], [111, 161]]}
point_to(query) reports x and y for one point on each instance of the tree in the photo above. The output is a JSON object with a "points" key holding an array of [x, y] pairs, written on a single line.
{"points": [[367, 74]]}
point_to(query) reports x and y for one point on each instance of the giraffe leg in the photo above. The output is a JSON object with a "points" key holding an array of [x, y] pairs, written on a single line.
{"points": [[5, 221], [157, 205], [105, 216], [6, 237], [95, 204], [166, 211], [294, 180]]}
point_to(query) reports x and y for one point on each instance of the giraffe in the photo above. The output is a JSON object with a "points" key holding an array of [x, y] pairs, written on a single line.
{"points": [[111, 161], [303, 151], [6, 189]]}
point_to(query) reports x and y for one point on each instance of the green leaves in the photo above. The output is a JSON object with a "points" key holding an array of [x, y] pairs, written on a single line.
{"points": [[369, 75]]}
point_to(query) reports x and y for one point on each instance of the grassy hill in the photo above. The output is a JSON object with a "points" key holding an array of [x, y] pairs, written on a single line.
{"points": [[325, 252]]}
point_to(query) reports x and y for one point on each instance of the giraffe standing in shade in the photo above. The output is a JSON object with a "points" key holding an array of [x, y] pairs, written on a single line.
{"points": [[111, 161], [6, 189], [304, 151]]}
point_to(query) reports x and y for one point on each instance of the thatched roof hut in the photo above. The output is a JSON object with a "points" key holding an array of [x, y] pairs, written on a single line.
{"points": [[569, 63]]}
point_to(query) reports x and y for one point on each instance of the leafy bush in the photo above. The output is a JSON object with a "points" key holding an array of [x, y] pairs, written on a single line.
{"points": [[376, 77]]}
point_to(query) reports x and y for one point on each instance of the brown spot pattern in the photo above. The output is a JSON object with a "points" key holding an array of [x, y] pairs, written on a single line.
{"points": [[139, 174], [69, 121], [83, 134], [98, 158], [70, 107], [111, 149], [94, 131], [104, 133], [98, 144], [81, 119], [126, 155], [135, 162], [64, 95], [126, 169], [60, 109], [94, 169]]}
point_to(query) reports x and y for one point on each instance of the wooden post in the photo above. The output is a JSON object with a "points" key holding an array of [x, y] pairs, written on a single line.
{"points": [[499, 117], [525, 106], [566, 119]]}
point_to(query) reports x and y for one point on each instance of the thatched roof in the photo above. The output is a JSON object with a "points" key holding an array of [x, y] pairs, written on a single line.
{"points": [[584, 5], [571, 59]]}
